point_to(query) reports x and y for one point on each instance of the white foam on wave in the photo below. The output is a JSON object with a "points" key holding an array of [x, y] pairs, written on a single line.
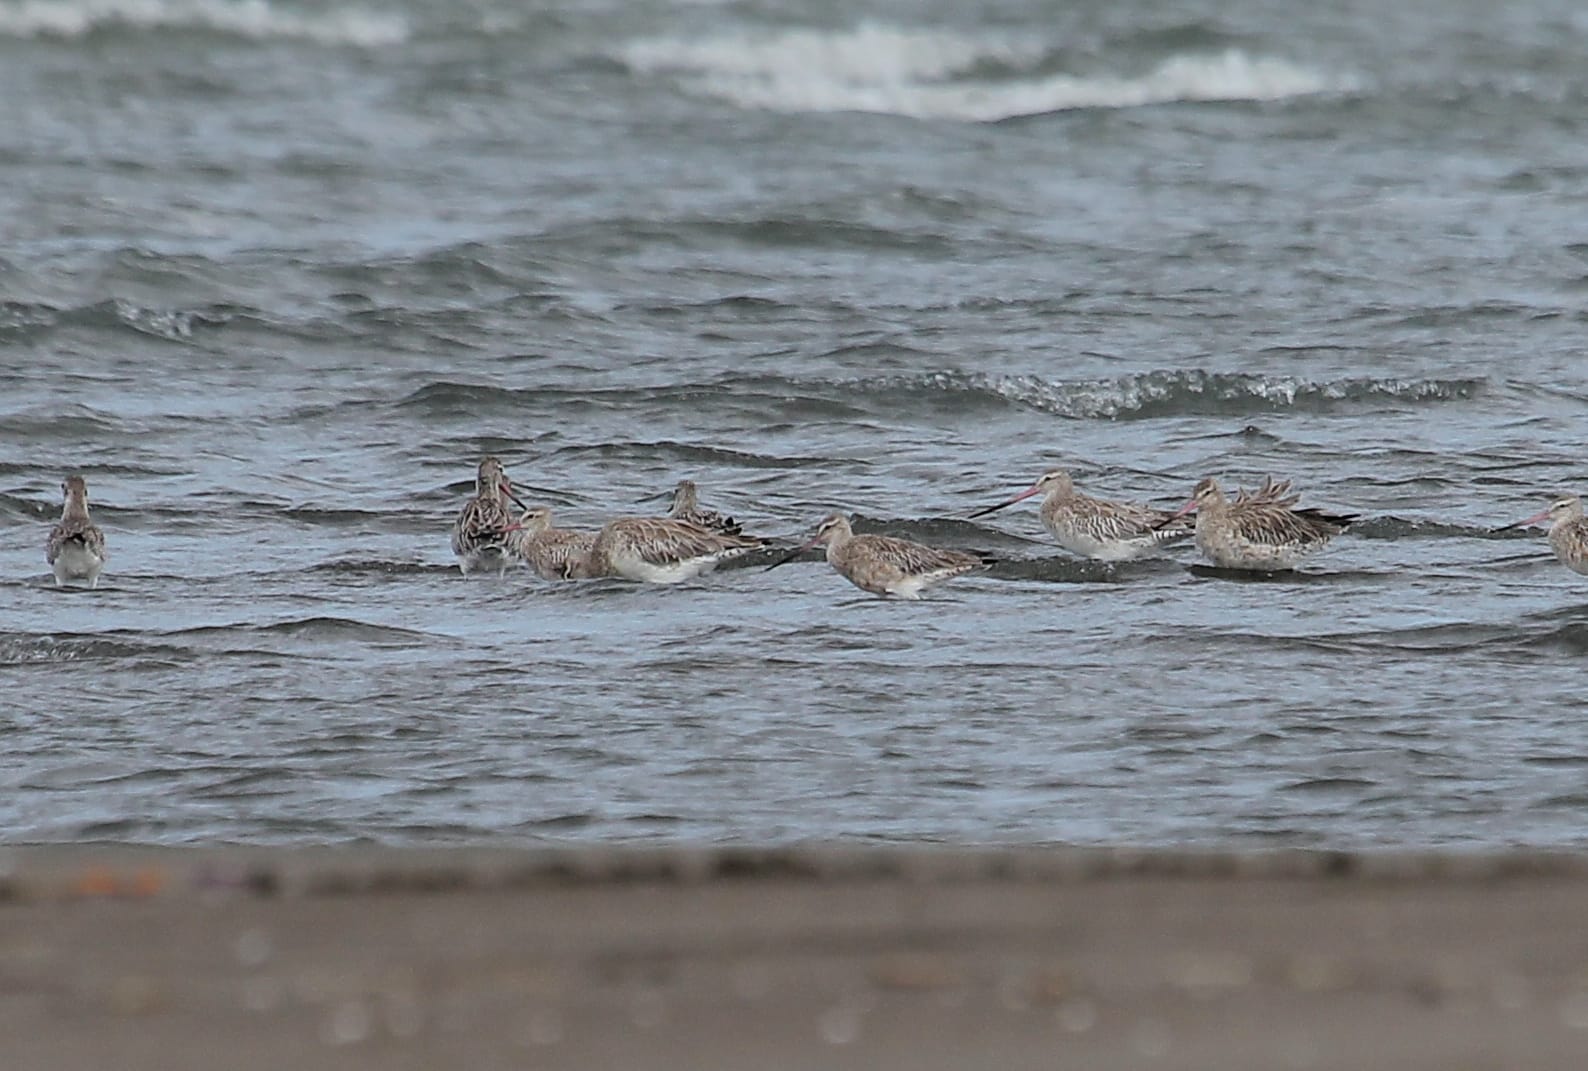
{"points": [[930, 74], [869, 55], [1195, 390], [255, 19]]}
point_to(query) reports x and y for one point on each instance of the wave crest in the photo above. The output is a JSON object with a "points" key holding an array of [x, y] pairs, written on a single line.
{"points": [[21, 648], [1130, 397], [254, 19], [1173, 393], [943, 74]]}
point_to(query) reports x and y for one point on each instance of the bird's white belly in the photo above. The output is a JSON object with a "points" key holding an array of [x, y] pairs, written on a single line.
{"points": [[907, 587], [77, 562], [1106, 550], [491, 559], [636, 568]]}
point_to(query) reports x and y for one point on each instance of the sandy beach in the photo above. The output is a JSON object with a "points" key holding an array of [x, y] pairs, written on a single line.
{"points": [[878, 959]]}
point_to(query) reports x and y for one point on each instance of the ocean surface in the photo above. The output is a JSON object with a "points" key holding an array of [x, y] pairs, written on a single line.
{"points": [[275, 275]]}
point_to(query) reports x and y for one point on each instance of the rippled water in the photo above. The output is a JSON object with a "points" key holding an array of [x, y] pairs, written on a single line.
{"points": [[275, 276]]}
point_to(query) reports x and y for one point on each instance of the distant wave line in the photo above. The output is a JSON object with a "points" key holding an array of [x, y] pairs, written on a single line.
{"points": [[1148, 394], [949, 74], [254, 19]]}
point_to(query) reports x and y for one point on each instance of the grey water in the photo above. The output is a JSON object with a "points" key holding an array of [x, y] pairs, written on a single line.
{"points": [[274, 276]]}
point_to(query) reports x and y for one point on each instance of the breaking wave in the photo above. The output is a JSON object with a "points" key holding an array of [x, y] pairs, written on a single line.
{"points": [[1168, 393], [1129, 397], [23, 648], [943, 74]]}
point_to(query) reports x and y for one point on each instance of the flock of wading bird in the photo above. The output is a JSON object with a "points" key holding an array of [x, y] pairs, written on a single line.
{"points": [[1258, 531]]}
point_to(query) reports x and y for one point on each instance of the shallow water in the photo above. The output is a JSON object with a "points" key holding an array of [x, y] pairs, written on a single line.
{"points": [[276, 276]]}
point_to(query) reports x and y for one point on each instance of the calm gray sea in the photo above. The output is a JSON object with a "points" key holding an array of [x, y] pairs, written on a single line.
{"points": [[274, 275]]}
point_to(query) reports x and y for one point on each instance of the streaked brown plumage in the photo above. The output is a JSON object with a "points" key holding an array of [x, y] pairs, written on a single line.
{"points": [[661, 550], [686, 507], [1568, 532], [554, 553], [481, 536], [75, 549], [1259, 530], [1097, 527], [885, 565]]}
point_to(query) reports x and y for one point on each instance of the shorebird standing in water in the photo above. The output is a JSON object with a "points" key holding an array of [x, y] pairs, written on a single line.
{"points": [[554, 553], [686, 507], [884, 565], [482, 535], [1096, 527], [1568, 532], [76, 547], [661, 550], [1260, 530]]}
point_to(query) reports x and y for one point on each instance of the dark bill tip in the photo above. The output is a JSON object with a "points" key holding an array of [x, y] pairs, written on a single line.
{"points": [[785, 559], [991, 509]]}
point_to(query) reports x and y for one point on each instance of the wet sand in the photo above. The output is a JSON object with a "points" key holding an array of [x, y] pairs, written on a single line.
{"points": [[359, 958]]}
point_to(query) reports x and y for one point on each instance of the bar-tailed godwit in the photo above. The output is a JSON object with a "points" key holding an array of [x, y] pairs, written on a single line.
{"points": [[885, 565], [686, 507], [482, 535], [1096, 527], [76, 547], [554, 553], [1568, 532], [661, 550], [1260, 530]]}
